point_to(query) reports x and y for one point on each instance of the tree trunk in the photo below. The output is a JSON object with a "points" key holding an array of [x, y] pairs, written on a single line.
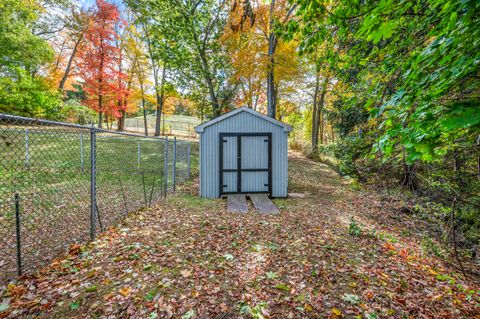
{"points": [[408, 179], [208, 79], [100, 113], [121, 121], [143, 108], [321, 128], [314, 115], [69, 64], [318, 108], [272, 45], [160, 99]]}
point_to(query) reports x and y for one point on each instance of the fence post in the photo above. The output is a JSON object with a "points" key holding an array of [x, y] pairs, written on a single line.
{"points": [[82, 161], [188, 160], [137, 124], [17, 232], [174, 168], [138, 154], [165, 168], [93, 181], [27, 148]]}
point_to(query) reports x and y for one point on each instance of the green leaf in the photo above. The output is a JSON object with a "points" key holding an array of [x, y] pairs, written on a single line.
{"points": [[282, 286], [228, 257], [4, 306], [189, 314], [75, 305], [271, 275], [147, 267], [453, 20], [92, 288], [461, 117], [353, 299]]}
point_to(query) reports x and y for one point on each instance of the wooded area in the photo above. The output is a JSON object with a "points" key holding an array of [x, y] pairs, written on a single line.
{"points": [[387, 93]]}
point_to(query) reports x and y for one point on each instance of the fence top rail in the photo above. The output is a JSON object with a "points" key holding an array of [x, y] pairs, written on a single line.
{"points": [[9, 117]]}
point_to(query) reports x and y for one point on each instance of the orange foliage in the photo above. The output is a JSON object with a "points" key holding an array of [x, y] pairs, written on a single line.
{"points": [[247, 44]]}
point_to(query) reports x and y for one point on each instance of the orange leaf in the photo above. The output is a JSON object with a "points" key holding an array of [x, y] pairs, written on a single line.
{"points": [[125, 291], [388, 246], [335, 314], [369, 295], [404, 253]]}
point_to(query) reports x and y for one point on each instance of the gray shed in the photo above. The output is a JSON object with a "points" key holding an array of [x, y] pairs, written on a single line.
{"points": [[243, 152]]}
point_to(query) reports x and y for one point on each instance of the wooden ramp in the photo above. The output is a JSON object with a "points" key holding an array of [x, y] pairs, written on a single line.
{"points": [[237, 203], [263, 204]]}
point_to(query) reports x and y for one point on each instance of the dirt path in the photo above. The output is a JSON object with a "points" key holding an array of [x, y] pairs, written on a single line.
{"points": [[188, 258]]}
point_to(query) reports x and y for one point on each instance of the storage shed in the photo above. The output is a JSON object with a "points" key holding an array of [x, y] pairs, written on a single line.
{"points": [[243, 152]]}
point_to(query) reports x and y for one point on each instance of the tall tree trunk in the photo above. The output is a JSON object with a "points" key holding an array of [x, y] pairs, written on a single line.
{"points": [[155, 69], [69, 64], [121, 121], [409, 178], [208, 79], [314, 114], [272, 45], [318, 110], [321, 128], [145, 124], [124, 104], [160, 91], [100, 112]]}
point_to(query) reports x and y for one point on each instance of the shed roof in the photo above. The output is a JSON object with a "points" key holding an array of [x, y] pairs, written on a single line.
{"points": [[201, 127]]}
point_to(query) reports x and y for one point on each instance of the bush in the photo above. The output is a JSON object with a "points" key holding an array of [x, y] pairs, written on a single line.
{"points": [[74, 112]]}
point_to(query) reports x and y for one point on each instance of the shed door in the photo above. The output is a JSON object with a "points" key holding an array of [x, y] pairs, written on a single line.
{"points": [[245, 163]]}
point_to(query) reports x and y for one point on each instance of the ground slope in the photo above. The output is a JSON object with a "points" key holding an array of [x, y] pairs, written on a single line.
{"points": [[188, 258]]}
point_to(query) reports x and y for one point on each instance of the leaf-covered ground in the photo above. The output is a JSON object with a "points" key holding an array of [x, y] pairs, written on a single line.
{"points": [[189, 258]]}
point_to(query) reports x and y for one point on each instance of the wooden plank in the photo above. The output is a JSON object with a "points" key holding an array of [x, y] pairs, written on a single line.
{"points": [[263, 204], [237, 203]]}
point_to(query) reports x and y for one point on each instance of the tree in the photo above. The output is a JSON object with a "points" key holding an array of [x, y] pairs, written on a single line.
{"points": [[265, 22], [77, 27], [23, 90], [190, 30], [135, 51], [158, 63], [99, 62]]}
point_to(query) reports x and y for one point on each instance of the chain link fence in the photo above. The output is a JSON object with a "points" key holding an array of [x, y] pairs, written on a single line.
{"points": [[63, 183], [180, 125]]}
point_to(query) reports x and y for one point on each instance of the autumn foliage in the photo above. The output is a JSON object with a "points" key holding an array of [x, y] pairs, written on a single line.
{"points": [[101, 59]]}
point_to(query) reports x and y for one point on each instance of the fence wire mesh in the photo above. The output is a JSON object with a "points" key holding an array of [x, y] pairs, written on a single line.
{"points": [[62, 184]]}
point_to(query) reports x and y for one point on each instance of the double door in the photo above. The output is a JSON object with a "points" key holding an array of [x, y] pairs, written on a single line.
{"points": [[245, 163]]}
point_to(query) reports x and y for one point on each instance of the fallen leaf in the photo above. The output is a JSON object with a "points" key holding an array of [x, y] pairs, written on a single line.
{"points": [[125, 291], [186, 273], [335, 314]]}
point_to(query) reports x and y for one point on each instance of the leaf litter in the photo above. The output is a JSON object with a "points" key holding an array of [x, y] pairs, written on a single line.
{"points": [[184, 259]]}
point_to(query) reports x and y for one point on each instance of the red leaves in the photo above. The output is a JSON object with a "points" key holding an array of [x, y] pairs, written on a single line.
{"points": [[101, 59]]}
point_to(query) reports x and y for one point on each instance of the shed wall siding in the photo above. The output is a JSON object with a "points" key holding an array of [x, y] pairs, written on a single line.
{"points": [[242, 123]]}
